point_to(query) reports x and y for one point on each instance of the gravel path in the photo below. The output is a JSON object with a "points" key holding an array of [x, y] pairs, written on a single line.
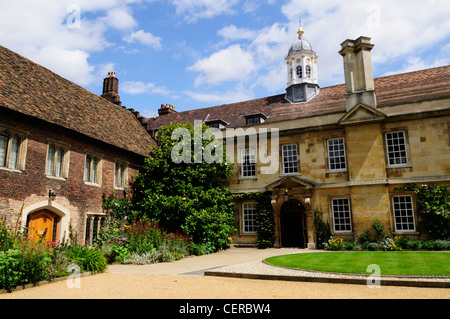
{"points": [[185, 279]]}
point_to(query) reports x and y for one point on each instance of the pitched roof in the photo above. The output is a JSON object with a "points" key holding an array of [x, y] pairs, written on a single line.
{"points": [[414, 87], [33, 90]]}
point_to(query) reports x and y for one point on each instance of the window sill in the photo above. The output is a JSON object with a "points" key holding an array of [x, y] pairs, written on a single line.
{"points": [[92, 184], [336, 171], [11, 170], [399, 233], [248, 178], [63, 179], [399, 166]]}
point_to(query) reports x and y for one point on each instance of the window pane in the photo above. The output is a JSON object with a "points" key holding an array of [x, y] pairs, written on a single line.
{"points": [[3, 148], [248, 163], [396, 148], [59, 162], [341, 215], [116, 175], [14, 153], [94, 169], [249, 217], [50, 160], [290, 159], [299, 72], [336, 154], [87, 169], [403, 213]]}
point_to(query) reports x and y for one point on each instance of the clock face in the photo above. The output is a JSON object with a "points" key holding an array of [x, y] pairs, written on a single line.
{"points": [[299, 60], [308, 60]]}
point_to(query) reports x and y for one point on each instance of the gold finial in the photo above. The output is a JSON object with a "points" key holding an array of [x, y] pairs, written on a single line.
{"points": [[300, 29]]}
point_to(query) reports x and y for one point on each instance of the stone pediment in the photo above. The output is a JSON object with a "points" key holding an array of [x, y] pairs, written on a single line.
{"points": [[290, 182], [362, 113]]}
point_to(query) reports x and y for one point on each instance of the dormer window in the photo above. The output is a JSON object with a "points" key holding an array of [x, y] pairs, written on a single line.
{"points": [[219, 124], [253, 119]]}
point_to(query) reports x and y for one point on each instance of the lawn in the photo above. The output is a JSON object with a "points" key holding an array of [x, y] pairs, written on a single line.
{"points": [[405, 263]]}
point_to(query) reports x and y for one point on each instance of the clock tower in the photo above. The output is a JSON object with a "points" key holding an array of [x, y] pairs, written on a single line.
{"points": [[302, 81]]}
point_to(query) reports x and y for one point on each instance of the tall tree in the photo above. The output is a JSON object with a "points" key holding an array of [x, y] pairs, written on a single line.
{"points": [[182, 186]]}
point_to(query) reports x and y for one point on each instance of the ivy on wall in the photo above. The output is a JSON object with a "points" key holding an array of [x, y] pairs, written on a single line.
{"points": [[433, 203], [264, 218]]}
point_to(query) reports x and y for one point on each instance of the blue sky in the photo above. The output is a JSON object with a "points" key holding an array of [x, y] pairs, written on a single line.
{"points": [[200, 53]]}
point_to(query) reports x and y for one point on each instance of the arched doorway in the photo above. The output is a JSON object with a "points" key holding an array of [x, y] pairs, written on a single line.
{"points": [[43, 222], [292, 224]]}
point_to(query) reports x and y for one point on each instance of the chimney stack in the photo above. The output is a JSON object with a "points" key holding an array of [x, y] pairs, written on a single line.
{"points": [[111, 89], [166, 109], [359, 82]]}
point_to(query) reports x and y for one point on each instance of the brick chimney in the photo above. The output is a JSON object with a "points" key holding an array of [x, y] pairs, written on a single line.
{"points": [[111, 89], [166, 109], [359, 82]]}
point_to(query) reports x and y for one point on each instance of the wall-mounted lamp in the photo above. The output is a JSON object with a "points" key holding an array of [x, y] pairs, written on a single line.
{"points": [[51, 195], [286, 196]]}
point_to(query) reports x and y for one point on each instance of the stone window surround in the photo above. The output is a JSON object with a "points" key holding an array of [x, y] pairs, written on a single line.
{"points": [[23, 146]]}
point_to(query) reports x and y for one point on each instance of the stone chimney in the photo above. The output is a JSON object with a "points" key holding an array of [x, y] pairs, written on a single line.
{"points": [[166, 109], [359, 82], [111, 89]]}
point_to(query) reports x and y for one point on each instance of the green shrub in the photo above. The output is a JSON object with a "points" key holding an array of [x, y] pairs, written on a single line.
{"points": [[365, 238], [429, 245], [349, 245], [379, 230], [10, 273], [372, 246], [88, 259], [414, 245], [441, 245]]}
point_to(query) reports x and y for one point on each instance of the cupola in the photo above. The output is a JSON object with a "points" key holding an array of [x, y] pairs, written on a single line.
{"points": [[302, 82]]}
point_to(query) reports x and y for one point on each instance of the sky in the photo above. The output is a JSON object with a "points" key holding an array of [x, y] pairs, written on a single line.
{"points": [[200, 53]]}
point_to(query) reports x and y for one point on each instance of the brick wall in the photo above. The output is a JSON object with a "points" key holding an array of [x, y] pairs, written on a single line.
{"points": [[30, 187]]}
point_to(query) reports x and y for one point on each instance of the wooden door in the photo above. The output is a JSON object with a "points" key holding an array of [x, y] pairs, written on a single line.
{"points": [[43, 222], [292, 224]]}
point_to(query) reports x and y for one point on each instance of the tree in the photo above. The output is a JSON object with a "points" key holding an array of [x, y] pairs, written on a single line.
{"points": [[188, 195]]}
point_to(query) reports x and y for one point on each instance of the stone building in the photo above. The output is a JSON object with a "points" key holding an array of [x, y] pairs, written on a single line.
{"points": [[342, 149], [57, 138]]}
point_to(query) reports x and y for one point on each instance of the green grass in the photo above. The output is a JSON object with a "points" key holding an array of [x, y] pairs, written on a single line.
{"points": [[402, 263]]}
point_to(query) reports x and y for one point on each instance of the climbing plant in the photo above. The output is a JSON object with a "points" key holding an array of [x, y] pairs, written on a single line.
{"points": [[264, 218], [433, 203]]}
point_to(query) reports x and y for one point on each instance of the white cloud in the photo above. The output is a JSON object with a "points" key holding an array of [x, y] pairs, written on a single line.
{"points": [[192, 10], [62, 34], [237, 94], [233, 33], [137, 87], [230, 64], [69, 63], [144, 38], [415, 63]]}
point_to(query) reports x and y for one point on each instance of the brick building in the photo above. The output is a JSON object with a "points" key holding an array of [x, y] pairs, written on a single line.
{"points": [[56, 137]]}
